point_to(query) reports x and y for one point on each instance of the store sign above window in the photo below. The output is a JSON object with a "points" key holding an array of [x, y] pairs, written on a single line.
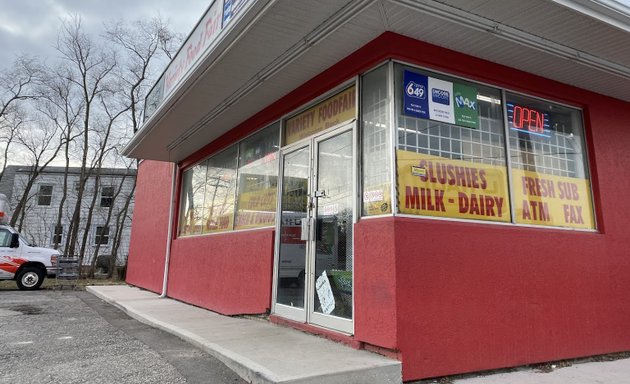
{"points": [[440, 100], [217, 17], [330, 112], [528, 120]]}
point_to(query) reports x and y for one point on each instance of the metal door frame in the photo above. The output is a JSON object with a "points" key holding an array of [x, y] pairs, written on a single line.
{"points": [[307, 314]]}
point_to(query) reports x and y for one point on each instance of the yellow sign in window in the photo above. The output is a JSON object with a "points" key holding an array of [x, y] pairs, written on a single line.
{"points": [[330, 112], [437, 186], [542, 199]]}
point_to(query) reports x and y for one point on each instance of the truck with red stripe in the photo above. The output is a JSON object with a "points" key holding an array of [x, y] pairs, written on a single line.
{"points": [[21, 261]]}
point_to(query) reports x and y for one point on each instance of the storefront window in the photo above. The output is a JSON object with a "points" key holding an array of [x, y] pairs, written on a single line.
{"points": [[209, 202], [376, 143], [451, 148], [549, 170], [193, 193], [220, 191], [258, 179]]}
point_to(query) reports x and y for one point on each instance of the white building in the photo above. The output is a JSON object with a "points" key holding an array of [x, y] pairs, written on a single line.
{"points": [[45, 197]]}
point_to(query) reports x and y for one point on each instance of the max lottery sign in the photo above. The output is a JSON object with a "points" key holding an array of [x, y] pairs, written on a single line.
{"points": [[440, 100]]}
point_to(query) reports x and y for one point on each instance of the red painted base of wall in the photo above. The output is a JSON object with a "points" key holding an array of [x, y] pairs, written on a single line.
{"points": [[472, 297], [229, 273]]}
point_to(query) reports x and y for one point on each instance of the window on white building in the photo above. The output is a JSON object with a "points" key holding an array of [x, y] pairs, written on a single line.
{"points": [[57, 234], [107, 196], [101, 235], [44, 196]]}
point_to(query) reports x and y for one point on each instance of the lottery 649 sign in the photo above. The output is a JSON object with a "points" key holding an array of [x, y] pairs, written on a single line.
{"points": [[416, 103]]}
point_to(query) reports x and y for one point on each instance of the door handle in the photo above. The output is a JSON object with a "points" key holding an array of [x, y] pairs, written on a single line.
{"points": [[305, 225]]}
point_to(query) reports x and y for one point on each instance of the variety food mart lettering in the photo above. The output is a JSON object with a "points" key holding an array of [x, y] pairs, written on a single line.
{"points": [[326, 114]]}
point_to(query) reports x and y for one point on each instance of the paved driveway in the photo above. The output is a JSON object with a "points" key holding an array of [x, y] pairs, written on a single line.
{"points": [[73, 337]]}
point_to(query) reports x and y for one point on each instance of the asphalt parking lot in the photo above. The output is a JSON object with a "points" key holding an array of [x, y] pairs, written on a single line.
{"points": [[70, 336]]}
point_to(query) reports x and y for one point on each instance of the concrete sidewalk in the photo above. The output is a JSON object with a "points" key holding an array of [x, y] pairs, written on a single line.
{"points": [[260, 352], [593, 372]]}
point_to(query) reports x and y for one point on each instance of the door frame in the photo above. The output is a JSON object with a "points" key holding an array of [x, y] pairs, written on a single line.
{"points": [[307, 314], [291, 313]]}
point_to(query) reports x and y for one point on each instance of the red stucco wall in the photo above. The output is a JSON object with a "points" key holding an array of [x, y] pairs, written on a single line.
{"points": [[375, 270], [480, 296], [229, 273], [149, 229]]}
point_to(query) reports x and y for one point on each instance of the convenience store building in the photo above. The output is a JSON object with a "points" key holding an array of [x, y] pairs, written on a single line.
{"points": [[438, 181]]}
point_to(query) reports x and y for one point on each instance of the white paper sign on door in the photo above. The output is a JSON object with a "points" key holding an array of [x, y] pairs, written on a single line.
{"points": [[325, 294]]}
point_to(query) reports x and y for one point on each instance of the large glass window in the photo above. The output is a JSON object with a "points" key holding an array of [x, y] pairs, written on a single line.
{"points": [[451, 147], [258, 179], [220, 189], [549, 170], [193, 194], [452, 155], [208, 200], [376, 143]]}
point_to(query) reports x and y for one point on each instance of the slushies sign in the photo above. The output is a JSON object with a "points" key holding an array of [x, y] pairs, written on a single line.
{"points": [[430, 98]]}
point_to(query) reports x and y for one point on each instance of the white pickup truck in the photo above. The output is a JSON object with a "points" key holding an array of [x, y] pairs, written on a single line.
{"points": [[20, 261]]}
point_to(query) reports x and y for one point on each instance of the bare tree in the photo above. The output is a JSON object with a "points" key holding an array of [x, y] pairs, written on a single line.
{"points": [[41, 144], [63, 109], [141, 45], [17, 84], [89, 66], [120, 225], [118, 219], [10, 125], [103, 150], [81, 110]]}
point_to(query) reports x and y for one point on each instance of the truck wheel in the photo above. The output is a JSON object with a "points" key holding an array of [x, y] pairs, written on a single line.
{"points": [[30, 278]]}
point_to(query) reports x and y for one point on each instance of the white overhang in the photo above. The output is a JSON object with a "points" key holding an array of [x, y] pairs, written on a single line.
{"points": [[277, 45]]}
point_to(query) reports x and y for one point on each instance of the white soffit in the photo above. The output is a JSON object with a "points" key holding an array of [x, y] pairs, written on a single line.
{"points": [[291, 41], [609, 11]]}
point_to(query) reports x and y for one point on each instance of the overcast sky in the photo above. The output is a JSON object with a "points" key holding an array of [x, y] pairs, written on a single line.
{"points": [[30, 26]]}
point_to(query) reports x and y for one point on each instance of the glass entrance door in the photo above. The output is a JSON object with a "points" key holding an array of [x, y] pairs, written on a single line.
{"points": [[314, 238]]}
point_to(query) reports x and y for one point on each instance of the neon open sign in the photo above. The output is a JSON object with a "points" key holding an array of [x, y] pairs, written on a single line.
{"points": [[528, 120]]}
